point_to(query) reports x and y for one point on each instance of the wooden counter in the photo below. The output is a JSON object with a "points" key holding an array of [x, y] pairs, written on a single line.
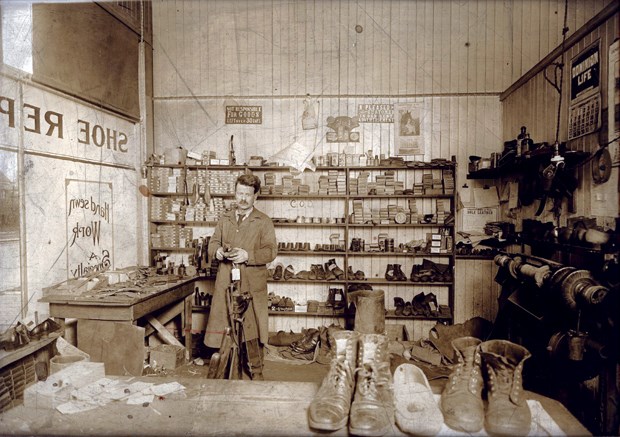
{"points": [[210, 407]]}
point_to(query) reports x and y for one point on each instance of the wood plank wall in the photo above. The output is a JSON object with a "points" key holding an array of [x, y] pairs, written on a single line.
{"points": [[535, 105], [454, 56], [537, 28]]}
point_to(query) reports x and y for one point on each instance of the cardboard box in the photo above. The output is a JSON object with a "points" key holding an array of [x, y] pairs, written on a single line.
{"points": [[167, 356]]}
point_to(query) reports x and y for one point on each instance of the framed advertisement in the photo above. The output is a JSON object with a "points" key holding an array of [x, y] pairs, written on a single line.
{"points": [[409, 129]]}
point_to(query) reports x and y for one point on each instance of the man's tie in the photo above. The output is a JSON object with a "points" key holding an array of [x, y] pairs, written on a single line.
{"points": [[239, 219]]}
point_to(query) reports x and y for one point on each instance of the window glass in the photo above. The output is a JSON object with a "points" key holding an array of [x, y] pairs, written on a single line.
{"points": [[10, 284], [17, 34]]}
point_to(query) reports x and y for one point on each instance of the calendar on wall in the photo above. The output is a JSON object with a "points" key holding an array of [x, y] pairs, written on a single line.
{"points": [[584, 113], [584, 117]]}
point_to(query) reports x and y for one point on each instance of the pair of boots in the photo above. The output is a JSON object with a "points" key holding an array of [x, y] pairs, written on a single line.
{"points": [[336, 300], [358, 387], [393, 272], [499, 364]]}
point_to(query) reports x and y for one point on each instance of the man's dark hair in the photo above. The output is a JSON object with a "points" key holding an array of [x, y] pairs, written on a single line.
{"points": [[249, 180]]}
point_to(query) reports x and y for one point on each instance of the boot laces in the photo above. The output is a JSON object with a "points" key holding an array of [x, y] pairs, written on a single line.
{"points": [[371, 380], [465, 369], [339, 373]]}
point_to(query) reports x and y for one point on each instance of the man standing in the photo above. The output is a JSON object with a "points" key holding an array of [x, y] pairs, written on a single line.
{"points": [[246, 238]]}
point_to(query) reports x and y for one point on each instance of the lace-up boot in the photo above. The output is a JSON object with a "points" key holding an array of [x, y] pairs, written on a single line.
{"points": [[372, 410], [461, 400], [329, 410], [507, 410]]}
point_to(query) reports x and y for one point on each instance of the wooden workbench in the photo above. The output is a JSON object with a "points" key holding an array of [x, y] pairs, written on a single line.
{"points": [[211, 407], [151, 309]]}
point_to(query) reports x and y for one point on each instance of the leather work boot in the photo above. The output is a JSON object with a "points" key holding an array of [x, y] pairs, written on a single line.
{"points": [[461, 400], [507, 410], [372, 410], [333, 267], [399, 275], [329, 410]]}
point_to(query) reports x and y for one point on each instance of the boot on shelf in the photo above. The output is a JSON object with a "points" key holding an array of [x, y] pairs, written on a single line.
{"points": [[507, 411], [329, 275], [331, 299], [329, 410], [333, 267], [389, 272], [372, 409], [350, 273], [461, 399], [398, 273], [339, 300], [321, 275], [399, 305]]}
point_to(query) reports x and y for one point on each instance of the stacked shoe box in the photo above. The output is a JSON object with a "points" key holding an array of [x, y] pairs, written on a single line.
{"points": [[332, 181], [169, 235], [176, 181], [414, 216], [341, 183], [448, 181], [399, 187], [443, 210], [199, 210], [427, 183], [360, 214], [362, 182], [418, 189], [323, 185], [175, 211], [222, 182], [287, 184], [384, 216], [158, 181], [159, 207], [201, 181], [354, 186], [215, 209], [389, 182], [380, 184], [296, 184], [270, 182]]}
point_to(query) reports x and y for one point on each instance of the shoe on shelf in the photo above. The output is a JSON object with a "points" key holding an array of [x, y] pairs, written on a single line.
{"points": [[417, 411], [430, 302], [333, 267], [289, 273], [305, 246], [398, 273], [313, 272], [277, 273], [303, 274], [389, 272], [399, 305], [360, 276], [408, 309], [350, 274], [321, 275], [329, 275], [418, 304]]}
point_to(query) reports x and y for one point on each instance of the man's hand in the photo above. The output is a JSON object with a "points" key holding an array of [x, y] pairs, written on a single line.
{"points": [[238, 255], [219, 253]]}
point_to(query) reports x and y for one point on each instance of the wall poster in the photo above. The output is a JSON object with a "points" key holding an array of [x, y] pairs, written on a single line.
{"points": [[90, 230], [408, 128]]}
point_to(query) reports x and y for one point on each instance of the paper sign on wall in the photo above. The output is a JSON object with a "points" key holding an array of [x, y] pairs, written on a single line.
{"points": [[90, 231]]}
